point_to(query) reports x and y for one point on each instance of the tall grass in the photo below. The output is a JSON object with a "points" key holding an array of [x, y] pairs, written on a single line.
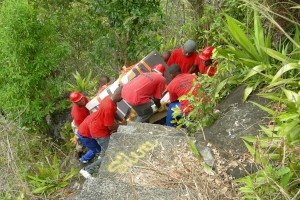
{"points": [[25, 173], [274, 70]]}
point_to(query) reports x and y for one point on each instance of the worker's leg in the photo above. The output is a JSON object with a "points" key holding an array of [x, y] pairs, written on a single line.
{"points": [[92, 168], [143, 111], [92, 145], [169, 117]]}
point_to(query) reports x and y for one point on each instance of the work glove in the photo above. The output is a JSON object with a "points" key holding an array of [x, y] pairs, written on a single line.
{"points": [[162, 108], [74, 140], [124, 122]]}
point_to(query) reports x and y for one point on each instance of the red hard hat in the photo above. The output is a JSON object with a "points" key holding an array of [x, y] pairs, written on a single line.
{"points": [[160, 68], [206, 53], [75, 96]]}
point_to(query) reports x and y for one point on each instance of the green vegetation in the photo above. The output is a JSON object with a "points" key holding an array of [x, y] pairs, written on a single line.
{"points": [[275, 71], [49, 178], [49, 48], [30, 55]]}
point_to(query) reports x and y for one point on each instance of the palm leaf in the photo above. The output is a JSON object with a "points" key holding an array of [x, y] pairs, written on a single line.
{"points": [[288, 116], [241, 38], [291, 95], [296, 50], [70, 174], [250, 148], [277, 55], [255, 70], [259, 37], [220, 86], [268, 131], [284, 69], [272, 96], [247, 92], [40, 190], [290, 81], [268, 110], [193, 148]]}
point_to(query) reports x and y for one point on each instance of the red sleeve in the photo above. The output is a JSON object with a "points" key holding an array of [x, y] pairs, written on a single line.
{"points": [[212, 71]]}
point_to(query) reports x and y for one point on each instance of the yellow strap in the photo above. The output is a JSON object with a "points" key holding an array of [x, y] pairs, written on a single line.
{"points": [[138, 69]]}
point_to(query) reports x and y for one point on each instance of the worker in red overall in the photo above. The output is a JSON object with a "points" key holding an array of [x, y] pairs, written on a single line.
{"points": [[79, 125], [102, 124], [203, 62], [184, 57], [180, 85], [142, 90], [79, 111]]}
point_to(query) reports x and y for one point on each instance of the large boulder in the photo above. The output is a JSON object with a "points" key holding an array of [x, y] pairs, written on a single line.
{"points": [[148, 161], [236, 119]]}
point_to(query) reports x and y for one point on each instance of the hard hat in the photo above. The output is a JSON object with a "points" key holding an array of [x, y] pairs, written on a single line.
{"points": [[160, 68], [206, 53], [76, 96]]}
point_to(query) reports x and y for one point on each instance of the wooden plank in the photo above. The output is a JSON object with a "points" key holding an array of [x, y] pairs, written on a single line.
{"points": [[157, 116]]}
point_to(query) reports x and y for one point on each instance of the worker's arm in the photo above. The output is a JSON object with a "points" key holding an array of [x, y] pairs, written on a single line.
{"points": [[117, 117], [193, 69], [157, 102], [115, 126]]}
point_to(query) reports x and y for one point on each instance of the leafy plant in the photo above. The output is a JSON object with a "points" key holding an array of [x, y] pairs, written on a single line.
{"points": [[49, 178], [193, 148], [208, 26], [276, 73], [83, 84], [30, 54], [202, 113], [255, 53]]}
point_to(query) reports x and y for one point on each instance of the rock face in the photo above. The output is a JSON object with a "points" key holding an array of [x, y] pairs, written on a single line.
{"points": [[237, 119], [57, 121], [151, 162], [133, 161]]}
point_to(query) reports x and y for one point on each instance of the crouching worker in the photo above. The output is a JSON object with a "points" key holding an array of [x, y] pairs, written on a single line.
{"points": [[180, 85], [86, 139], [102, 125], [79, 113], [139, 91], [204, 63]]}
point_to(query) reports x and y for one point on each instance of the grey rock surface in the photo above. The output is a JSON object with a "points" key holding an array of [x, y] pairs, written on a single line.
{"points": [[206, 153], [237, 119], [132, 164]]}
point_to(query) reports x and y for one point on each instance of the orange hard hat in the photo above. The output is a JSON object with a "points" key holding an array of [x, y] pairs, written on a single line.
{"points": [[206, 53], [160, 68], [76, 96]]}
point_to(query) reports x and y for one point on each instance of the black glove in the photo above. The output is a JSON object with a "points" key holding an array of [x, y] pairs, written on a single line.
{"points": [[157, 103]]}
